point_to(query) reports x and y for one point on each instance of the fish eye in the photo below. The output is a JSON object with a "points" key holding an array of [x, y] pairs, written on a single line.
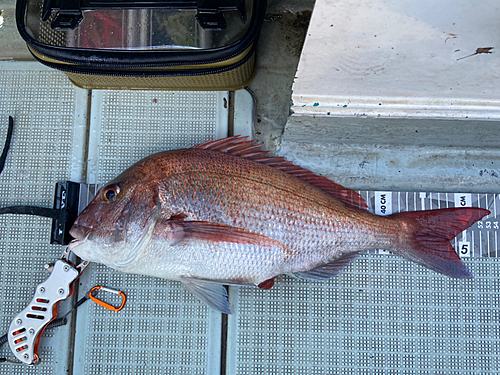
{"points": [[110, 192]]}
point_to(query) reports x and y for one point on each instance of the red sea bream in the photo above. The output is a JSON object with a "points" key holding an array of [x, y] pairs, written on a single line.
{"points": [[223, 212]]}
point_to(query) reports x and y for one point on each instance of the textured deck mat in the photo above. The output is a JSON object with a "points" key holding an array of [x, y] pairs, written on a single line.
{"points": [[382, 315], [47, 132]]}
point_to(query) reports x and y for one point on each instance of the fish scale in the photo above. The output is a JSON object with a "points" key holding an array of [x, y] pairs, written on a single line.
{"points": [[314, 231], [223, 213]]}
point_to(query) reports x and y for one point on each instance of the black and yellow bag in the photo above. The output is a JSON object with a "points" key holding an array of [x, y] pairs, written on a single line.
{"points": [[145, 44]]}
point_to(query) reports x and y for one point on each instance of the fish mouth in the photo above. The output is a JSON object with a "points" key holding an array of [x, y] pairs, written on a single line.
{"points": [[80, 232]]}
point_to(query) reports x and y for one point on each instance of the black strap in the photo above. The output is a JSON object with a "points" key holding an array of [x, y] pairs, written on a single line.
{"points": [[27, 210], [7, 143], [37, 211]]}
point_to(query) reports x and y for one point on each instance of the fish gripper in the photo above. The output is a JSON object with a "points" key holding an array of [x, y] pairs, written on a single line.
{"points": [[26, 328]]}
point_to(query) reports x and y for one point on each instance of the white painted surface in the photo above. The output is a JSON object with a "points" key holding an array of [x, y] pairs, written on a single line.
{"points": [[243, 113], [400, 58]]}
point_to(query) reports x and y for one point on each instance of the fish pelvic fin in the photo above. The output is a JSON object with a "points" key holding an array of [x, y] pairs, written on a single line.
{"points": [[209, 292], [429, 234]]}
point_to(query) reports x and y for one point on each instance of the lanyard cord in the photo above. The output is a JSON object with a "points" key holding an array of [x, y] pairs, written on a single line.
{"points": [[61, 215]]}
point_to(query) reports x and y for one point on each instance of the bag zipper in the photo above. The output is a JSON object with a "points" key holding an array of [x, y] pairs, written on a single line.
{"points": [[160, 73], [147, 65]]}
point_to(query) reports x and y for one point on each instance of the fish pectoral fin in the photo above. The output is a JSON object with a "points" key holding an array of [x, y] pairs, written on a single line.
{"points": [[213, 294], [328, 270], [184, 231]]}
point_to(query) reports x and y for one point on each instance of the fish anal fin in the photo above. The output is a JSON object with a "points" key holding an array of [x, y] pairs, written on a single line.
{"points": [[241, 147], [180, 231], [328, 270], [211, 293]]}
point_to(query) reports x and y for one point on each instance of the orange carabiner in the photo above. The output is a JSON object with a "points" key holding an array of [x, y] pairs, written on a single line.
{"points": [[105, 304]]}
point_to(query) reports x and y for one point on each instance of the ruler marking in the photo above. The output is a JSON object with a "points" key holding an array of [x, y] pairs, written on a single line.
{"points": [[480, 236], [482, 250], [492, 226], [472, 240], [383, 206], [473, 236], [456, 244], [488, 239], [496, 244], [488, 232], [496, 218], [480, 241]]}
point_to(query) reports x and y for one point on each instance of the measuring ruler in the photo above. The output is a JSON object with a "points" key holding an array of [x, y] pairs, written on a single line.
{"points": [[480, 240]]}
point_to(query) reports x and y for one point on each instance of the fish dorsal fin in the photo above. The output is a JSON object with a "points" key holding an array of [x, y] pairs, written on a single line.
{"points": [[240, 146]]}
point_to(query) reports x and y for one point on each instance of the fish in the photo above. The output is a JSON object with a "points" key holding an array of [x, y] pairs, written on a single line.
{"points": [[225, 213]]}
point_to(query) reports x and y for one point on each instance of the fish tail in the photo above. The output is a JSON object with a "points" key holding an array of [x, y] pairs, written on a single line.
{"points": [[426, 240]]}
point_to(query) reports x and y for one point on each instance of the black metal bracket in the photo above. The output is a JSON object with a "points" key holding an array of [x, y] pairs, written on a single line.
{"points": [[63, 214], [66, 199]]}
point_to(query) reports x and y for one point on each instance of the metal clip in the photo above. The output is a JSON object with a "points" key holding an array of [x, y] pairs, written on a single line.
{"points": [[27, 326], [94, 290], [65, 257]]}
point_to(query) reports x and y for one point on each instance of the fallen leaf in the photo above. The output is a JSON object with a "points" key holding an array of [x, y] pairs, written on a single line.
{"points": [[484, 50]]}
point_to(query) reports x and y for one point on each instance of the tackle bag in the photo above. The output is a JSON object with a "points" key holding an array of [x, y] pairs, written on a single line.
{"points": [[145, 44]]}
